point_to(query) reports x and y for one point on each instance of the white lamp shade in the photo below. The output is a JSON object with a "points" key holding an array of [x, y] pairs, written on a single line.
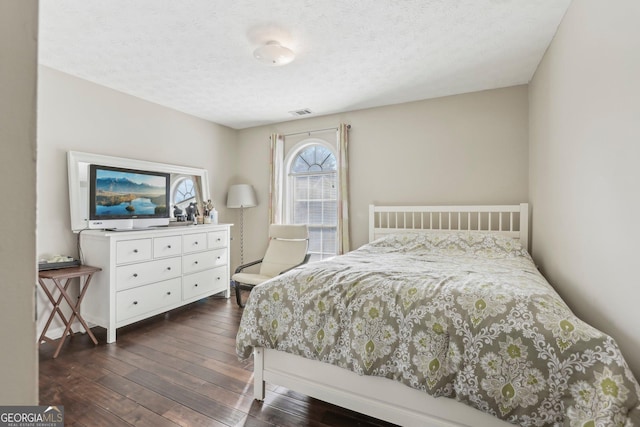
{"points": [[241, 196]]}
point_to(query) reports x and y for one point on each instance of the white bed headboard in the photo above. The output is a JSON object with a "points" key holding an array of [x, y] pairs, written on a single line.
{"points": [[511, 220]]}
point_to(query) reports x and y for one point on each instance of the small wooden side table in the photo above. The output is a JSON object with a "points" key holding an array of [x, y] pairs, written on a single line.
{"points": [[62, 279]]}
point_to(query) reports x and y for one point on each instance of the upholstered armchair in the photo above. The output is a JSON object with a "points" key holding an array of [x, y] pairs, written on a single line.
{"points": [[287, 249]]}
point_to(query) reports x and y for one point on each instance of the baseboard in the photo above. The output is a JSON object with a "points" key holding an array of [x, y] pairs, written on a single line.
{"points": [[55, 333]]}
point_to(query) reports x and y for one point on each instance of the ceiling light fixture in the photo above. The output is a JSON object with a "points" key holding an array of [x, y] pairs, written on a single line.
{"points": [[273, 53]]}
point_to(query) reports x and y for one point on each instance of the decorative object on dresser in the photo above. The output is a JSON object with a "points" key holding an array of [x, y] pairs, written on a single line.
{"points": [[241, 196], [149, 272]]}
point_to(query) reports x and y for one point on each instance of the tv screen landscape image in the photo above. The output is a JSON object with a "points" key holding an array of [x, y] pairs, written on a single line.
{"points": [[118, 193]]}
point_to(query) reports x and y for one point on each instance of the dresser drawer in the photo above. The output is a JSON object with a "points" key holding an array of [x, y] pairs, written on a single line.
{"points": [[217, 239], [204, 260], [220, 279], [194, 242], [145, 299], [219, 257], [204, 282], [132, 275], [133, 251], [167, 246]]}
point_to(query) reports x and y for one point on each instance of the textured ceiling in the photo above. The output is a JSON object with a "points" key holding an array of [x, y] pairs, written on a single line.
{"points": [[196, 56]]}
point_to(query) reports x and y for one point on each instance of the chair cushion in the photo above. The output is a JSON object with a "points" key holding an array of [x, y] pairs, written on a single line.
{"points": [[282, 255], [249, 278]]}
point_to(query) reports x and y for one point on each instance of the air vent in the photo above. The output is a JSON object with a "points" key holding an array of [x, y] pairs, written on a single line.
{"points": [[303, 112]]}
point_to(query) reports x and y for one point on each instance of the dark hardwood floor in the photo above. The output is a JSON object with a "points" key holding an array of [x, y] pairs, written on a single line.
{"points": [[179, 368]]}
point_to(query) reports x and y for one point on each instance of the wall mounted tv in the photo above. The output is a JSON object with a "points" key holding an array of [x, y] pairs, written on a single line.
{"points": [[121, 198]]}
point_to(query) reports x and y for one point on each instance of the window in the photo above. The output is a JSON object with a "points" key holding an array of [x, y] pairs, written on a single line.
{"points": [[184, 192], [313, 196]]}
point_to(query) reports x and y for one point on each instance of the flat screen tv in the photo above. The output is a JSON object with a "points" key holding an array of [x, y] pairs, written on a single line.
{"points": [[121, 198]]}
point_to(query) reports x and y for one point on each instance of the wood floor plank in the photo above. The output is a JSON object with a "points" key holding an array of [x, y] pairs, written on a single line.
{"points": [[199, 336], [238, 372], [146, 347], [174, 369], [134, 391], [222, 385], [171, 345], [278, 417], [241, 402], [187, 417], [167, 372], [143, 417], [211, 376], [204, 350], [53, 394], [113, 365], [72, 366], [250, 421], [86, 412], [187, 397], [103, 397], [95, 416]]}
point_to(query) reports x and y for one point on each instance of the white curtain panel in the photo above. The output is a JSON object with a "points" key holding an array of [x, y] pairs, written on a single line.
{"points": [[276, 183], [343, 189]]}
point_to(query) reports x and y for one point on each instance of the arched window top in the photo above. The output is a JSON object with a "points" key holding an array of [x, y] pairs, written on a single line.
{"points": [[314, 158], [184, 191]]}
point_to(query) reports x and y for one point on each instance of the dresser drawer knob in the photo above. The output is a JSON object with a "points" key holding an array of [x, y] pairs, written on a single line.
{"points": [[195, 243], [218, 257], [168, 268], [196, 285], [135, 274], [135, 251], [168, 246], [195, 262], [135, 303], [219, 239], [169, 293], [218, 278]]}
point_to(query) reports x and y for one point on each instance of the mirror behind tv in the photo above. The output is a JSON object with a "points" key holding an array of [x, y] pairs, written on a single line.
{"points": [[118, 193]]}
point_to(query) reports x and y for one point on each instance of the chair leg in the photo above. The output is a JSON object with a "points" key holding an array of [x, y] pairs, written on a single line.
{"points": [[236, 285]]}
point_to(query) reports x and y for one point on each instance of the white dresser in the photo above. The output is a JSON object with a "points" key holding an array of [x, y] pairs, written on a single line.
{"points": [[148, 272]]}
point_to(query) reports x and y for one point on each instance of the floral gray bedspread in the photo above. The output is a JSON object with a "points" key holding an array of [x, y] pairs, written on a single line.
{"points": [[461, 315]]}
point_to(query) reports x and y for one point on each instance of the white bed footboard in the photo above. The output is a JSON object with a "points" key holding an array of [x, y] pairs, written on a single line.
{"points": [[381, 398]]}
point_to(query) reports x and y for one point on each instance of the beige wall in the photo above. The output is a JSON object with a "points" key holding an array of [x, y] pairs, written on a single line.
{"points": [[77, 115], [463, 149], [584, 173], [579, 114], [18, 71]]}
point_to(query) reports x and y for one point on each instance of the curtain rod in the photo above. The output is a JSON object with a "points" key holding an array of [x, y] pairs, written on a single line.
{"points": [[309, 132]]}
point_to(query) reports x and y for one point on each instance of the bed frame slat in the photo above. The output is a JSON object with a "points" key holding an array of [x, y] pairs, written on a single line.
{"points": [[399, 218]]}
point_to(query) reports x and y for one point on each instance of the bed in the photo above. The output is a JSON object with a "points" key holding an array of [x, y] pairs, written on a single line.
{"points": [[440, 320]]}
